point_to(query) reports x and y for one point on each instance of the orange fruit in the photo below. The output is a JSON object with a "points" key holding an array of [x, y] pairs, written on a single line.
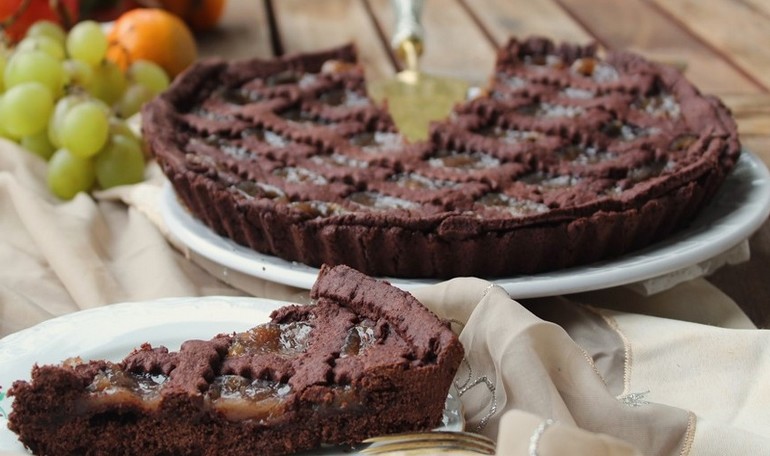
{"points": [[152, 34], [199, 14]]}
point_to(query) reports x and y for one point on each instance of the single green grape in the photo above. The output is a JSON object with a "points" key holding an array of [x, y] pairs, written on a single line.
{"points": [[3, 132], [132, 100], [63, 105], [108, 82], [34, 66], [61, 108], [69, 175], [47, 28], [39, 144], [84, 129], [26, 108], [42, 43], [3, 62], [78, 73], [121, 162], [86, 41], [148, 74]]}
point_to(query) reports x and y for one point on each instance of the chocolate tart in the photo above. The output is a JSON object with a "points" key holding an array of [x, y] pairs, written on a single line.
{"points": [[364, 359], [566, 158]]}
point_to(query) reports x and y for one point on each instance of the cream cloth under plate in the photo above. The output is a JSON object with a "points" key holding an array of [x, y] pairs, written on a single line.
{"points": [[611, 372]]}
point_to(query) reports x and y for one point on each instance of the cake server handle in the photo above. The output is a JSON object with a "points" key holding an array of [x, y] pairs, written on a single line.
{"points": [[408, 34]]}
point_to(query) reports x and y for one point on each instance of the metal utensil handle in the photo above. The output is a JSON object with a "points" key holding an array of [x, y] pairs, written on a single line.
{"points": [[408, 26]]}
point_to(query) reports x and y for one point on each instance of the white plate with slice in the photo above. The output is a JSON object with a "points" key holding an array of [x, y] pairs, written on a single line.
{"points": [[739, 208], [112, 331]]}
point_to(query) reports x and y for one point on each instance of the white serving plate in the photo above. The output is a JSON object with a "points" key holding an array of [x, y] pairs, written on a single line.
{"points": [[113, 331], [740, 207]]}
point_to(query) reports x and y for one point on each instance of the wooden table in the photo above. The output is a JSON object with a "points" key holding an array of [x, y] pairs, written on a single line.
{"points": [[722, 45]]}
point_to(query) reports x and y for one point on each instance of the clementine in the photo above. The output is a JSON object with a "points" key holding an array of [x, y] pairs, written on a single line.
{"points": [[152, 34]]}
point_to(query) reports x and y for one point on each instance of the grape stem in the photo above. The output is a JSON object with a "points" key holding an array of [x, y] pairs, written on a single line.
{"points": [[23, 7], [64, 14], [150, 3], [55, 5], [159, 4]]}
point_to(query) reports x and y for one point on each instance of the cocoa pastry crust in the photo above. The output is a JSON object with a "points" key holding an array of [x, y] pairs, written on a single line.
{"points": [[364, 359], [565, 159]]}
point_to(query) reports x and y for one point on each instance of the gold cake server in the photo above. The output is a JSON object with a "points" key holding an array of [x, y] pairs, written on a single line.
{"points": [[414, 98]]}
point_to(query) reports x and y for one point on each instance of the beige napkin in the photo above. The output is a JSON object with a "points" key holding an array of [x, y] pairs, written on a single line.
{"points": [[59, 257], [608, 372]]}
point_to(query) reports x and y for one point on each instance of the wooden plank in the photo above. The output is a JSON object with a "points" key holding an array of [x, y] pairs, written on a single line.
{"points": [[243, 32], [751, 112], [640, 27], [732, 27], [759, 146], [454, 45], [310, 25], [748, 102], [758, 125], [761, 6], [506, 19]]}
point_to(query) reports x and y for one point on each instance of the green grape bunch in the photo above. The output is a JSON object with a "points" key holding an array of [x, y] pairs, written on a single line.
{"points": [[63, 100]]}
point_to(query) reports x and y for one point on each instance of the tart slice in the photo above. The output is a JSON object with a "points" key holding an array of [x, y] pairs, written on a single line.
{"points": [[364, 359]]}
